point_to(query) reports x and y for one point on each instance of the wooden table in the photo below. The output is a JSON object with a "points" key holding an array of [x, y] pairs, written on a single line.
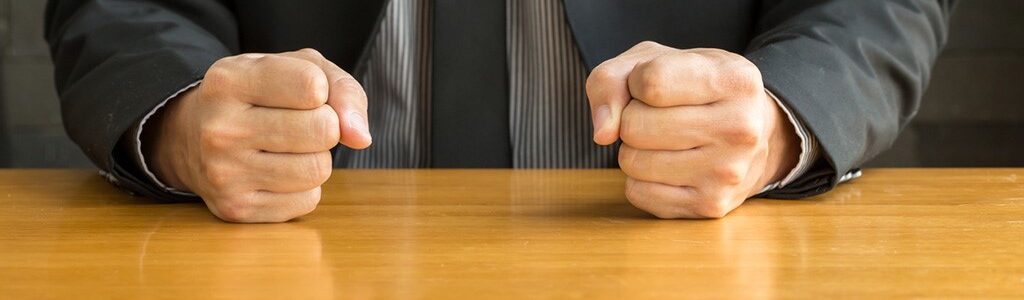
{"points": [[895, 233]]}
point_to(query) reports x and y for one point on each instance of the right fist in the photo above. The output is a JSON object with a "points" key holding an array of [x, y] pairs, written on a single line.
{"points": [[253, 140]]}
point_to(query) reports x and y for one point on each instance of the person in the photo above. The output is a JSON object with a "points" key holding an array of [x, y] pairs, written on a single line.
{"points": [[701, 104]]}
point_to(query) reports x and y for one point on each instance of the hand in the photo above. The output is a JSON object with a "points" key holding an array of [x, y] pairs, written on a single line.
{"points": [[253, 139], [699, 132]]}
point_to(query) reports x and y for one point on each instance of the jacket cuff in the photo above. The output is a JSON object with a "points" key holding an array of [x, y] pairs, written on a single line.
{"points": [[134, 140], [124, 173], [808, 148]]}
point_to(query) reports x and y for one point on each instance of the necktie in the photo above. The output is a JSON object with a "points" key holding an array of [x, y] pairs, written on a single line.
{"points": [[469, 92]]}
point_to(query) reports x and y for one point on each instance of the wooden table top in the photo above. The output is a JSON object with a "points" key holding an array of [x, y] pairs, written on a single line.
{"points": [[895, 233]]}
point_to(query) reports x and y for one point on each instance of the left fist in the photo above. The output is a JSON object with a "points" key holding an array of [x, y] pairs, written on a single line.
{"points": [[699, 132]]}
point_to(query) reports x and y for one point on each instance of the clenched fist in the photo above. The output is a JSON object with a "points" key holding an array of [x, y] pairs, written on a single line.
{"points": [[253, 139], [699, 132]]}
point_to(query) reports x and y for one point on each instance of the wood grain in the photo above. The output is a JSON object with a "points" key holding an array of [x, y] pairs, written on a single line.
{"points": [[895, 233]]}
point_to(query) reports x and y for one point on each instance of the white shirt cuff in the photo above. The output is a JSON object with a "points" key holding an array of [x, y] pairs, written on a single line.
{"points": [[808, 148], [140, 159]]}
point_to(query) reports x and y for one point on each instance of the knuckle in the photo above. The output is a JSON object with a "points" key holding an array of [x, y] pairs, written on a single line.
{"points": [[602, 74], [320, 170], [740, 76], [217, 176], [236, 210], [350, 87], [656, 84], [631, 127], [209, 142], [714, 54], [743, 131], [309, 202], [247, 57], [629, 133], [326, 127], [628, 160], [636, 195], [314, 171], [259, 59], [348, 84], [632, 190], [728, 175], [642, 199], [350, 92], [647, 44], [213, 137], [635, 190], [311, 52], [314, 86], [713, 207], [710, 210], [217, 77]]}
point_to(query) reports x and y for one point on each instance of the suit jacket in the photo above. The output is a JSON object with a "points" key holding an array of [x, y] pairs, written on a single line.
{"points": [[852, 70]]}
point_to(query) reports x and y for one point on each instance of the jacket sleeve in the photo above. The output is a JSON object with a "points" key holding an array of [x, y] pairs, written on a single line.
{"points": [[853, 71], [116, 60]]}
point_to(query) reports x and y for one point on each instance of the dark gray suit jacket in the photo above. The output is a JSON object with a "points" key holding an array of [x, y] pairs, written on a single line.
{"points": [[852, 70]]}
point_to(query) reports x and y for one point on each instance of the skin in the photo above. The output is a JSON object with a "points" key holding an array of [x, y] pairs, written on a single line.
{"points": [[699, 132], [253, 139]]}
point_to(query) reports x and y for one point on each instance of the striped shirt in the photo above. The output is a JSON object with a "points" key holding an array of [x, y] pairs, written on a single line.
{"points": [[550, 124], [549, 116]]}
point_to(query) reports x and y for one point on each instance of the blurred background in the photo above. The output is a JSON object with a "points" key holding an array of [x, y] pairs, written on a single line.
{"points": [[972, 115]]}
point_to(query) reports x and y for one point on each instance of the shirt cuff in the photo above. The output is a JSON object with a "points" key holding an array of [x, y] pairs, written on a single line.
{"points": [[808, 149], [136, 141]]}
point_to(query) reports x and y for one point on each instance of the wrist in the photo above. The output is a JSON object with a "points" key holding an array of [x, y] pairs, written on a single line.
{"points": [[162, 152], [783, 144]]}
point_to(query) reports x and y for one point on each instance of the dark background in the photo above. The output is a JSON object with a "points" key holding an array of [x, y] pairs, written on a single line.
{"points": [[972, 115]]}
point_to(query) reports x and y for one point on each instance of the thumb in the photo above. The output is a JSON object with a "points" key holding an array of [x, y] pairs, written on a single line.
{"points": [[349, 100], [345, 96], [608, 90]]}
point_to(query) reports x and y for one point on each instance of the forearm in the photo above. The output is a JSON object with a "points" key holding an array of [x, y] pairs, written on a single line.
{"points": [[853, 71], [115, 62]]}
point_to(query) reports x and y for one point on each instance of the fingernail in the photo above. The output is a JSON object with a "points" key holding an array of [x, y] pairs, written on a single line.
{"points": [[356, 122], [601, 117]]}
